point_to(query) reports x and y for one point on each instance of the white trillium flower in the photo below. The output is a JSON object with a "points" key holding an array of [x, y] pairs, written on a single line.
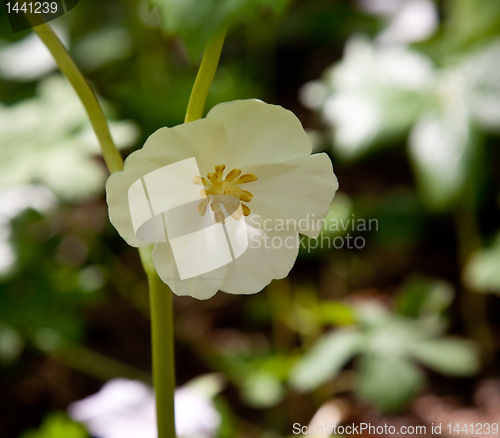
{"points": [[256, 152]]}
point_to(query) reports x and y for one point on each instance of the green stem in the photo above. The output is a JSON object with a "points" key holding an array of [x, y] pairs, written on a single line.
{"points": [[205, 76], [162, 337], [162, 334], [474, 305], [112, 157]]}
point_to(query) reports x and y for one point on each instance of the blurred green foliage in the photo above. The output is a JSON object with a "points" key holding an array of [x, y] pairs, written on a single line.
{"points": [[388, 345], [196, 22], [58, 426], [481, 272]]}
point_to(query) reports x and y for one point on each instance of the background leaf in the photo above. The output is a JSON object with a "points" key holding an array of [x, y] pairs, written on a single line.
{"points": [[58, 425], [482, 272], [325, 359], [388, 382], [195, 21], [455, 357]]}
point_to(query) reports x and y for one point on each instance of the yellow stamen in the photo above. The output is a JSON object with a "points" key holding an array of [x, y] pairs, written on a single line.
{"points": [[202, 206], [219, 217], [198, 180], [238, 213], [235, 173], [248, 177], [245, 196], [220, 171], [213, 177], [217, 186]]}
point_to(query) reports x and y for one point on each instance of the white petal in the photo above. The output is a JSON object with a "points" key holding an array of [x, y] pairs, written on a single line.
{"points": [[202, 287], [295, 194], [260, 133], [270, 255], [203, 139], [117, 187]]}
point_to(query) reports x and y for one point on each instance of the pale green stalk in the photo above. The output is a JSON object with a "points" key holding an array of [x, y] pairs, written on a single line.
{"points": [[112, 156], [205, 76], [162, 336]]}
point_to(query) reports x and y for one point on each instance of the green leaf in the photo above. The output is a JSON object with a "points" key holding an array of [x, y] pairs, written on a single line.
{"points": [[456, 357], [11, 344], [482, 272], [195, 21], [423, 296], [372, 314], [471, 20], [336, 313], [57, 425], [262, 389], [325, 359], [388, 381]]}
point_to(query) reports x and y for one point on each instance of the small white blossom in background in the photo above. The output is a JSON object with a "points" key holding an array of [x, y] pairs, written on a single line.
{"points": [[374, 91], [29, 59], [380, 92], [246, 150], [126, 409], [408, 20]]}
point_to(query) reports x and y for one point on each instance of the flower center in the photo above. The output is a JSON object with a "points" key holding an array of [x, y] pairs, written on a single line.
{"points": [[225, 191]]}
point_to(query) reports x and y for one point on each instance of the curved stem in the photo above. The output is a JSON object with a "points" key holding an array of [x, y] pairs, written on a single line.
{"points": [[112, 157], [205, 77]]}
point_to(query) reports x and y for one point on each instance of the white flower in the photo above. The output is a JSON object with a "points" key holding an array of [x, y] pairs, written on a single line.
{"points": [[256, 152], [374, 93], [126, 409]]}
